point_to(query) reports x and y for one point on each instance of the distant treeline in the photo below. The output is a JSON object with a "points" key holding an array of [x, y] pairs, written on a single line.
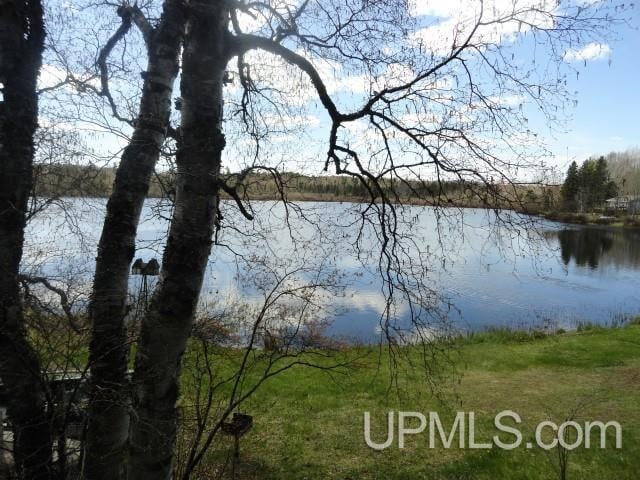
{"points": [[588, 186], [624, 168], [92, 181], [332, 187], [53, 180]]}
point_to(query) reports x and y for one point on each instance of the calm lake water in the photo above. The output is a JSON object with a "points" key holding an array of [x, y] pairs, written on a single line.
{"points": [[492, 275]]}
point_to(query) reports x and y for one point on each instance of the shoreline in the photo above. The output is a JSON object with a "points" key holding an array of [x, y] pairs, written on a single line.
{"points": [[581, 219], [592, 220], [316, 429]]}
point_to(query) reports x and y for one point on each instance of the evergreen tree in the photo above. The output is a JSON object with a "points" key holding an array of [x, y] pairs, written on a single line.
{"points": [[588, 186], [601, 182], [587, 175], [571, 187]]}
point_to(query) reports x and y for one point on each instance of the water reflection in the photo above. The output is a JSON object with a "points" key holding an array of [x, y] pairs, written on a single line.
{"points": [[599, 247], [490, 277]]}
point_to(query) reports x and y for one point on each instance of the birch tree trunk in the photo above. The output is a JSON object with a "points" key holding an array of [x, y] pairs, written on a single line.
{"points": [[108, 424], [166, 328], [21, 44]]}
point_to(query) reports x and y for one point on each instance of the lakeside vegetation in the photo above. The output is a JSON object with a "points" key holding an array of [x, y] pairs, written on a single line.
{"points": [[309, 423], [582, 198], [92, 181], [555, 203], [594, 218], [579, 199], [587, 187]]}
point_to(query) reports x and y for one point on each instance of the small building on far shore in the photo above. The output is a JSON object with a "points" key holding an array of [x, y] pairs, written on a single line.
{"points": [[629, 203]]}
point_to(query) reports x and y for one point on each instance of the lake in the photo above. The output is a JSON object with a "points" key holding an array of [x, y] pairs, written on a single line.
{"points": [[485, 273]]}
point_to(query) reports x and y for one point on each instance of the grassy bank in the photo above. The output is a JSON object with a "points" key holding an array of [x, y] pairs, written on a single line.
{"points": [[624, 221], [309, 425]]}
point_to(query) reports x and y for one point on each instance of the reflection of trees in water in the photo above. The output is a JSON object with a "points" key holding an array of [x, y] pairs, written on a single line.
{"points": [[585, 246], [595, 247]]}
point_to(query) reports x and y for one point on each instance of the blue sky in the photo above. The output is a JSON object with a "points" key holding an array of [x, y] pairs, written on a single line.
{"points": [[605, 82], [604, 119], [607, 115]]}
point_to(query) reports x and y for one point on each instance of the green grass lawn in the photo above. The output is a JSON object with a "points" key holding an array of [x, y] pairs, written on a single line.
{"points": [[309, 424]]}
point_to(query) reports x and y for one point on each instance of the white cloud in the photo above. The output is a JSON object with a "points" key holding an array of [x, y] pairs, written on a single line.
{"points": [[257, 17], [590, 52], [50, 75], [337, 80], [508, 100], [354, 84], [503, 21], [250, 23], [438, 8], [293, 121]]}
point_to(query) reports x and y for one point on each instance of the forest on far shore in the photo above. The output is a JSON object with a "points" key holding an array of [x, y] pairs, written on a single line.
{"points": [[75, 180], [55, 180], [587, 186]]}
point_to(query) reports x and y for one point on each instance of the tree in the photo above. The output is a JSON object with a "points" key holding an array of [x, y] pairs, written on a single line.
{"points": [[22, 36], [625, 170], [604, 187], [167, 325], [571, 186], [611, 189], [589, 186], [108, 424]]}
